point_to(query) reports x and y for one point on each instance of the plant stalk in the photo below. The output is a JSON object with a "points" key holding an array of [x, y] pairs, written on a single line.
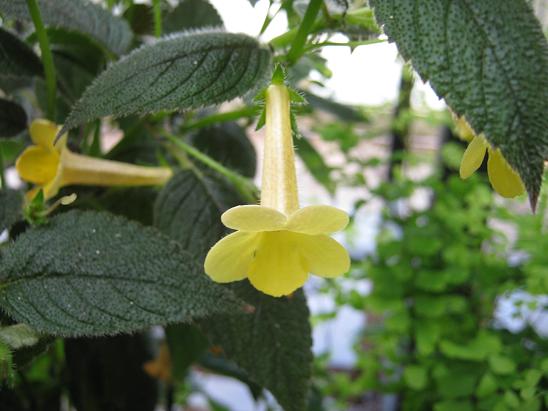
{"points": [[306, 26], [47, 58], [156, 4], [245, 187]]}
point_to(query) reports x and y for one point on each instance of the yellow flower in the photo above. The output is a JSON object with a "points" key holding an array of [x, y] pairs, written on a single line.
{"points": [[276, 244], [502, 176], [52, 165]]}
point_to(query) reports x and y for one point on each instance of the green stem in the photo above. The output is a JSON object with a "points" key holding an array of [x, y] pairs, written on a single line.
{"points": [[248, 111], [352, 44], [306, 25], [156, 4], [245, 187], [47, 58]]}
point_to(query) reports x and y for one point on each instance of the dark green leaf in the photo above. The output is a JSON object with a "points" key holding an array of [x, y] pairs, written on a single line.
{"points": [[489, 60], [272, 344], [140, 18], [78, 15], [189, 210], [315, 163], [229, 145], [11, 207], [13, 118], [182, 72], [88, 273], [134, 203], [16, 58], [186, 345], [137, 145], [107, 373], [192, 14]]}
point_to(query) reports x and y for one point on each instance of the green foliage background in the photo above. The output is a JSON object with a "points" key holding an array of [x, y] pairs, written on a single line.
{"points": [[81, 288]]}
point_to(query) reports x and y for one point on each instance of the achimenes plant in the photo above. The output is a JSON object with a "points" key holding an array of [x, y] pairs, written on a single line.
{"points": [[131, 253]]}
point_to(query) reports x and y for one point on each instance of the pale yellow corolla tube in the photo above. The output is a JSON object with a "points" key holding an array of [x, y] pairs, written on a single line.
{"points": [[277, 244], [51, 165]]}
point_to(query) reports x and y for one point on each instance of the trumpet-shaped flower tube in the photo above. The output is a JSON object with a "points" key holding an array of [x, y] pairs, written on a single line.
{"points": [[277, 244], [502, 176], [51, 165]]}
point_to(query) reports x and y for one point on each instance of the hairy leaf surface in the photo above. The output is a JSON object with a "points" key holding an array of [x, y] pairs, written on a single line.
{"points": [[186, 71], [11, 203], [89, 273], [272, 344], [79, 15], [229, 145], [189, 210], [489, 60], [16, 58], [13, 119]]}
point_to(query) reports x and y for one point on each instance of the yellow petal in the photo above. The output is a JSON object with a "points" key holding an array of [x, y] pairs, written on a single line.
{"points": [[230, 259], [503, 178], [37, 165], [43, 133], [324, 256], [473, 157], [278, 268], [253, 218], [317, 220], [464, 131]]}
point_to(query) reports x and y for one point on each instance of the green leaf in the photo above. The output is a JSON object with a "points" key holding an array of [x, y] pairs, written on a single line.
{"points": [[415, 377], [503, 365], [192, 14], [88, 273], [477, 349], [181, 72], [13, 118], [186, 345], [17, 59], [140, 18], [487, 385], [272, 344], [427, 334], [11, 208], [228, 144], [489, 60], [453, 406], [78, 15], [107, 373], [189, 210]]}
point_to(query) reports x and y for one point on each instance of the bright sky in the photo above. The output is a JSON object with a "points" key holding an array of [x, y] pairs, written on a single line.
{"points": [[368, 76]]}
